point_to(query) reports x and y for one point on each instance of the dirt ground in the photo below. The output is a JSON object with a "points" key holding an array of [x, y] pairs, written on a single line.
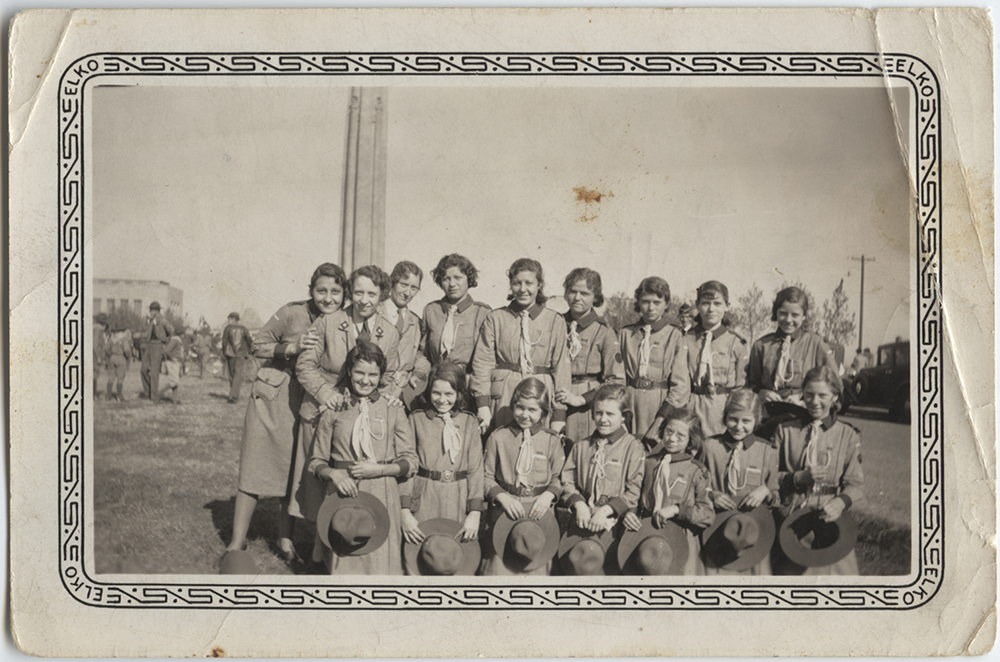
{"points": [[165, 478]]}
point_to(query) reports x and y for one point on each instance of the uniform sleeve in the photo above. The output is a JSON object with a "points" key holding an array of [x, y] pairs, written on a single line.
{"points": [[388, 381], [570, 491], [786, 474], [556, 459], [307, 367], [562, 371], [425, 334], [680, 378], [405, 487], [742, 354], [268, 343], [484, 360], [612, 367], [635, 462], [421, 366], [852, 483], [474, 458], [320, 447], [755, 367], [698, 510], [490, 486], [771, 472], [622, 350], [404, 443]]}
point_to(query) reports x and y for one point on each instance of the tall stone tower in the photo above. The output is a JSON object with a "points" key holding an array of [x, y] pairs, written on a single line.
{"points": [[362, 238]]}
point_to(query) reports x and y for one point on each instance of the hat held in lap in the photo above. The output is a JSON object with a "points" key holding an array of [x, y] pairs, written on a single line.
{"points": [[353, 526], [526, 544], [738, 540], [441, 553]]}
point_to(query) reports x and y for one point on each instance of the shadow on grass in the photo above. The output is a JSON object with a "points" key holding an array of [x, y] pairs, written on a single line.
{"points": [[883, 548], [222, 517]]}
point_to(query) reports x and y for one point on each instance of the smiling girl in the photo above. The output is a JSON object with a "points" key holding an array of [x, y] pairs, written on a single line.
{"points": [[779, 360], [452, 323], [523, 339]]}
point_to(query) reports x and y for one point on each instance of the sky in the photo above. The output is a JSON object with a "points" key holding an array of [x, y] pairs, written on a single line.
{"points": [[234, 194]]}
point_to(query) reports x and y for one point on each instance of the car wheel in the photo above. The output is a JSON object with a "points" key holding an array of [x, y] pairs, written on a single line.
{"points": [[900, 410], [860, 389]]}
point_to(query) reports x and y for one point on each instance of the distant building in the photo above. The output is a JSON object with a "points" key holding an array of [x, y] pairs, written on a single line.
{"points": [[111, 294]]}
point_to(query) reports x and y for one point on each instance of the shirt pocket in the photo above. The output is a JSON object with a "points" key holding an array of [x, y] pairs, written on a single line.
{"points": [[540, 470], [268, 384], [613, 471], [753, 478]]}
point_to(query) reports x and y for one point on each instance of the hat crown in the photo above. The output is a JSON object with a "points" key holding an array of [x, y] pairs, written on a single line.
{"points": [[441, 555], [526, 540], [741, 531], [653, 556], [353, 526], [586, 558]]}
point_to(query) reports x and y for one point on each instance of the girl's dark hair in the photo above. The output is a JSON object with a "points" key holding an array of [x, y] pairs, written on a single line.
{"points": [[713, 287], [593, 282], [790, 295], [744, 399], [535, 267], [328, 270], [652, 285], [696, 436], [454, 374], [612, 393], [533, 387], [404, 269], [368, 352], [825, 373], [455, 260], [375, 275]]}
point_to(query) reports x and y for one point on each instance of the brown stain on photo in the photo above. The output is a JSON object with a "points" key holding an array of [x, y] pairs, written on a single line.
{"points": [[218, 652], [590, 196]]}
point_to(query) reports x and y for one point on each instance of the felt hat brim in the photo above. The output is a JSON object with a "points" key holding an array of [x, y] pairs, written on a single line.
{"points": [[369, 502], [471, 550], [675, 536], [550, 527], [576, 535], [713, 544], [847, 538]]}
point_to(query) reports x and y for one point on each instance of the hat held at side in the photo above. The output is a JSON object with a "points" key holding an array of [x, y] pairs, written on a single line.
{"points": [[352, 526]]}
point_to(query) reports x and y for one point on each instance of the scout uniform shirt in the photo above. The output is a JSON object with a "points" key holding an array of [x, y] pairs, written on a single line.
{"points": [[500, 463], [664, 378], [467, 319], [319, 367], [715, 371], [806, 351], [411, 330], [739, 472], [604, 471], [499, 365], [595, 360]]}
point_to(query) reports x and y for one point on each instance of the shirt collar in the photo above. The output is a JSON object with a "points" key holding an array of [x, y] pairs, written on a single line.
{"points": [[825, 423], [657, 325], [611, 438], [460, 307], [717, 332], [432, 413], [373, 396], [534, 429], [680, 457], [313, 310], [584, 321], [534, 310], [730, 443], [795, 336]]}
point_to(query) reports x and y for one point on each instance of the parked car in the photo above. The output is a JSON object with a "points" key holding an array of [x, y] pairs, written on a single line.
{"points": [[887, 384]]}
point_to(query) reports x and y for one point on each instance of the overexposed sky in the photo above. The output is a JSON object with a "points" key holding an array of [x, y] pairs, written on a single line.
{"points": [[234, 194]]}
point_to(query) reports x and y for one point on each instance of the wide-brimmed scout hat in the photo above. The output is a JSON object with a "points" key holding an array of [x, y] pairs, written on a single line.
{"points": [[809, 541], [738, 540], [238, 562], [653, 551], [441, 553], [583, 552], [352, 526], [526, 544]]}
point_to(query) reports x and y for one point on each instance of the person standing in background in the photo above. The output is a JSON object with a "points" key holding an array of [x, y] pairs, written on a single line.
{"points": [[158, 331], [172, 363], [203, 349], [119, 352], [100, 348], [236, 343]]}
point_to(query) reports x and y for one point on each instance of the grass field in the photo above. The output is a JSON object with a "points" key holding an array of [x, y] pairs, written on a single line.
{"points": [[165, 479]]}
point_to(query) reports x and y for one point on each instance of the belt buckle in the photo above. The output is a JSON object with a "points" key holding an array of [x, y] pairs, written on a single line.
{"points": [[447, 476], [602, 500], [525, 491], [643, 383], [710, 389]]}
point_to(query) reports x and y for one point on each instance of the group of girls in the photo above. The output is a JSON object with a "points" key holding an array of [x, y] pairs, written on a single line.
{"points": [[558, 399]]}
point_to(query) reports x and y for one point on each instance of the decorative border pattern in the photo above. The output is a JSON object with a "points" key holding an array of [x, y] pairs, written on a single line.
{"points": [[929, 538]]}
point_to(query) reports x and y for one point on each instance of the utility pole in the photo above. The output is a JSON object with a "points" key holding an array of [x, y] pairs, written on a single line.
{"points": [[861, 316]]}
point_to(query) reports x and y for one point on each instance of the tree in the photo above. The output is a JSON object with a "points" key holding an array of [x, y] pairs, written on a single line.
{"points": [[837, 325], [751, 314], [619, 310]]}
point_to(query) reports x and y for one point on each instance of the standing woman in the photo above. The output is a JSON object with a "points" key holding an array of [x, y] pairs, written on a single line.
{"points": [[318, 370], [452, 324], [268, 452]]}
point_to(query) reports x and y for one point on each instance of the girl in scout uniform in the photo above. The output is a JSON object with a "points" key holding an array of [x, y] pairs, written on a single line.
{"points": [[521, 466], [675, 486], [449, 478], [602, 476], [268, 454], [452, 323], [318, 368], [779, 360], [819, 464], [363, 447], [404, 284], [742, 468], [593, 351], [523, 339], [655, 356], [717, 357]]}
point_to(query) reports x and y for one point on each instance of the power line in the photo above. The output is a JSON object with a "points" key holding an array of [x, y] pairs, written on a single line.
{"points": [[861, 320]]}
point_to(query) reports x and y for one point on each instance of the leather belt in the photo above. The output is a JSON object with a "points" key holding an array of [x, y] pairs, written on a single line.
{"points": [[522, 491], [711, 389], [580, 379], [347, 464], [644, 384], [516, 367], [442, 476], [823, 491]]}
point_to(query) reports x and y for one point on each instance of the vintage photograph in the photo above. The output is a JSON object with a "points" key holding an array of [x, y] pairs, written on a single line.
{"points": [[502, 329]]}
